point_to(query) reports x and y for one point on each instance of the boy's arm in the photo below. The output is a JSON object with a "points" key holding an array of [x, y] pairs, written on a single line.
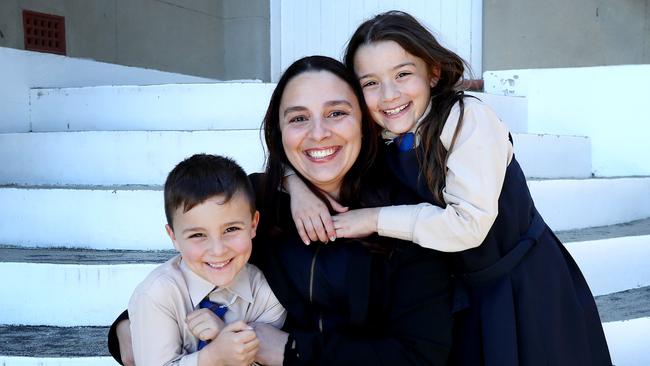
{"points": [[155, 334], [266, 307]]}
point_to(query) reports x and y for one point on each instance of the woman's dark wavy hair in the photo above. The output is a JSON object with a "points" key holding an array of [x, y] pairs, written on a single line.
{"points": [[350, 191], [417, 40]]}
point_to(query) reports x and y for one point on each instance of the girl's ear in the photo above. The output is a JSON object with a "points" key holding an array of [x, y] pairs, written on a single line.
{"points": [[434, 76]]}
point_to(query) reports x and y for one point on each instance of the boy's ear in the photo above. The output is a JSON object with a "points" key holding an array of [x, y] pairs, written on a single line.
{"points": [[170, 232], [434, 75], [254, 222]]}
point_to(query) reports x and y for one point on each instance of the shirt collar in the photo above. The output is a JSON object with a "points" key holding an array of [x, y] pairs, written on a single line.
{"points": [[387, 135], [199, 288]]}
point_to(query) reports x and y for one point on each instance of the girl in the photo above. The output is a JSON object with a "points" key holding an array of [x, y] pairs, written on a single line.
{"points": [[520, 297]]}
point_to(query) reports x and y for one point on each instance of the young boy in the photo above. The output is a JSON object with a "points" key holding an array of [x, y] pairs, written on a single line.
{"points": [[211, 219]]}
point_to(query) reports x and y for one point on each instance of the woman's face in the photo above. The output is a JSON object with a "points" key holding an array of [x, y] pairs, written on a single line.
{"points": [[396, 84], [320, 121]]}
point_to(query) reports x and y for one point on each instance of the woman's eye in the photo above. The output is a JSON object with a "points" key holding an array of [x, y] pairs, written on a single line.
{"points": [[298, 119], [335, 114], [368, 83], [403, 73]]}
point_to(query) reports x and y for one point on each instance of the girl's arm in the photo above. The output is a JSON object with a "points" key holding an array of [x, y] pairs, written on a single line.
{"points": [[475, 172]]}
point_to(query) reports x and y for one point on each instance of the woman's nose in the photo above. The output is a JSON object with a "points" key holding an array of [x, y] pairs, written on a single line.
{"points": [[319, 129]]}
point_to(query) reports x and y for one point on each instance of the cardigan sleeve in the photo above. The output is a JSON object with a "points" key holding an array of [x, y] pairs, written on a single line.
{"points": [[417, 328], [476, 169]]}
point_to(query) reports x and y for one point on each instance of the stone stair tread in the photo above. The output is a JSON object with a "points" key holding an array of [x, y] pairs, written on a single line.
{"points": [[624, 305], [632, 228], [45, 341], [14, 254]]}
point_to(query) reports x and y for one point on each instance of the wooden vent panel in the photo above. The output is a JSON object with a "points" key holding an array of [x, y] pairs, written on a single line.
{"points": [[44, 32]]}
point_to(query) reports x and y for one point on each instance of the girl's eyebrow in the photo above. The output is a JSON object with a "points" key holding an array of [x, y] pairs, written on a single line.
{"points": [[408, 63]]}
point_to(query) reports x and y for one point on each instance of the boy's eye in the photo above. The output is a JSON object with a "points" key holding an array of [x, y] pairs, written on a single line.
{"points": [[196, 235], [231, 229]]}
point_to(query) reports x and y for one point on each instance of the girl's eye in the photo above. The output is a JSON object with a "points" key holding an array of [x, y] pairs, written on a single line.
{"points": [[297, 119], [368, 83], [403, 73], [335, 114], [231, 229]]}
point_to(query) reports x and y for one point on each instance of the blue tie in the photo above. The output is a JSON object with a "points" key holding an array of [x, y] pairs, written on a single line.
{"points": [[405, 141], [219, 310]]}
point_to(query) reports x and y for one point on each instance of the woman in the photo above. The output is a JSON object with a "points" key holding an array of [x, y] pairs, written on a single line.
{"points": [[375, 300]]}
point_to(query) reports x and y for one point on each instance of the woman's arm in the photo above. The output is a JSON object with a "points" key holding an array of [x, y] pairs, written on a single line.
{"points": [[475, 172]]}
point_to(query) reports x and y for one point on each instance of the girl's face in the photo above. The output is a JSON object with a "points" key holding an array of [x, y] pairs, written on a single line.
{"points": [[396, 84], [320, 121]]}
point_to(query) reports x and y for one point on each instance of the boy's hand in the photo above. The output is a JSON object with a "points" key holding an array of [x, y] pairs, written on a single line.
{"points": [[356, 223], [204, 324], [236, 344], [310, 214]]}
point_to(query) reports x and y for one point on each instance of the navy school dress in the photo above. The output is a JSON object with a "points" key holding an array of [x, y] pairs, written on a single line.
{"points": [[520, 298]]}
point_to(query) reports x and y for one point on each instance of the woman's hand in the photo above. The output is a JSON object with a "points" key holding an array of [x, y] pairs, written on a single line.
{"points": [[272, 343], [236, 344], [310, 214], [356, 223], [123, 332], [204, 324]]}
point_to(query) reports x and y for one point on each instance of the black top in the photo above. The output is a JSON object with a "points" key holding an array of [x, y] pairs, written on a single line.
{"points": [[352, 302]]}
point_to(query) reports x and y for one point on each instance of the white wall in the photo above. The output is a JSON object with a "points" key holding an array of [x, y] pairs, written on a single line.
{"points": [[607, 104], [302, 28], [22, 70]]}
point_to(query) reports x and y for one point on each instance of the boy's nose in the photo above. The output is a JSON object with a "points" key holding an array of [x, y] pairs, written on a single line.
{"points": [[218, 247]]}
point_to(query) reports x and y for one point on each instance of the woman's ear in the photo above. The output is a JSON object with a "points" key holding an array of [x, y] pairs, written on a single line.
{"points": [[434, 76]]}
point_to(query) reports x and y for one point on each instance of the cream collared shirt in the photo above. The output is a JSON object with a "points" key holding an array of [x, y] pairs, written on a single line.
{"points": [[160, 304], [476, 170]]}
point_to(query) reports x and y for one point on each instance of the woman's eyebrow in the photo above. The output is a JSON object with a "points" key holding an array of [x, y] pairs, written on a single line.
{"points": [[294, 109], [337, 102]]}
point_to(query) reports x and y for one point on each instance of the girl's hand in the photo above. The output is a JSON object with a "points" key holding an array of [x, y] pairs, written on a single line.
{"points": [[310, 214], [356, 223], [204, 324]]}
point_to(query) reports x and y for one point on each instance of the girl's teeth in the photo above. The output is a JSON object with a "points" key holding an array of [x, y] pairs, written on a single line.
{"points": [[319, 154], [395, 110]]}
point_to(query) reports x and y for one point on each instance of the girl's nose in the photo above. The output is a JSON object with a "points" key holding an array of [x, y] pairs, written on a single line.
{"points": [[389, 91]]}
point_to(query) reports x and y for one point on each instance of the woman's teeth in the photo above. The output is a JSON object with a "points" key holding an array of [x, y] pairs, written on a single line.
{"points": [[322, 153], [393, 111], [219, 265]]}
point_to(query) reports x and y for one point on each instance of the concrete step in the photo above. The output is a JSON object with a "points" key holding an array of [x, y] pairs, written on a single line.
{"points": [[132, 217], [101, 281], [628, 341], [56, 361], [220, 106], [145, 157], [117, 157]]}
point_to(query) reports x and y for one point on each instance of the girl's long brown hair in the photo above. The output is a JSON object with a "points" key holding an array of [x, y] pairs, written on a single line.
{"points": [[417, 40]]}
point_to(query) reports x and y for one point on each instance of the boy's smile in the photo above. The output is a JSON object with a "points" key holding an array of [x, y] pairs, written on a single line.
{"points": [[214, 238]]}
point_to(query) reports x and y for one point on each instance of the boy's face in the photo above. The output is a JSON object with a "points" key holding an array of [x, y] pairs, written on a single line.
{"points": [[214, 238]]}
